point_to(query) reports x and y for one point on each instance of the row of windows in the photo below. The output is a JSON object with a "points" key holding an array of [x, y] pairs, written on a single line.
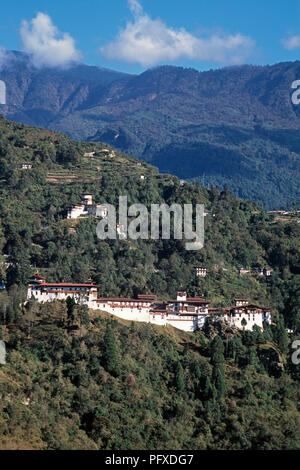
{"points": [[62, 289], [130, 304], [38, 292], [67, 288], [113, 308], [182, 317], [249, 316]]}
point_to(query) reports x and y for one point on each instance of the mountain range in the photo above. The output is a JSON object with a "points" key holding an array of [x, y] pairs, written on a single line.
{"points": [[235, 126]]}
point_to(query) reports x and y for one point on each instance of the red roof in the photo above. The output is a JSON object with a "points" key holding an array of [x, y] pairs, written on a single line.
{"points": [[193, 300], [160, 305], [147, 296], [196, 299], [65, 284], [121, 299], [244, 308]]}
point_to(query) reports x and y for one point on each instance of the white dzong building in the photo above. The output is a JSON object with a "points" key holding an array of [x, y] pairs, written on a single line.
{"points": [[245, 316], [185, 313], [44, 291]]}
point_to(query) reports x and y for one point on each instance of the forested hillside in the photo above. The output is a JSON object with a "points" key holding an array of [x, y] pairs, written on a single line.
{"points": [[75, 381], [103, 384], [236, 126]]}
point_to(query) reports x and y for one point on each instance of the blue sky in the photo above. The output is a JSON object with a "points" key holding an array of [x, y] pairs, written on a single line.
{"points": [[132, 35]]}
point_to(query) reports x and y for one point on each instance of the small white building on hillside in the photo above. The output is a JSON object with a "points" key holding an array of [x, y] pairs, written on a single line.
{"points": [[44, 291], [26, 166], [201, 271], [243, 271], [87, 207]]}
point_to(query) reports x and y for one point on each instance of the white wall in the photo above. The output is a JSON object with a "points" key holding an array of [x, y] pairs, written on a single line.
{"points": [[236, 321], [127, 313], [44, 296], [77, 211], [159, 320], [181, 324]]}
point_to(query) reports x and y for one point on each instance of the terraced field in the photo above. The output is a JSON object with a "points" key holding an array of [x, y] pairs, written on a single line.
{"points": [[79, 175], [93, 168]]}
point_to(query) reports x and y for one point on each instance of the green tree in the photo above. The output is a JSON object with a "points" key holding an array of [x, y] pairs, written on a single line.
{"points": [[110, 355], [71, 310], [217, 360], [293, 305], [209, 392], [179, 377], [84, 318], [280, 336]]}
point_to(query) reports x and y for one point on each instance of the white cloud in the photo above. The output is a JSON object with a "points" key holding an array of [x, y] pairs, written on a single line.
{"points": [[47, 46], [291, 43], [135, 7], [149, 42]]}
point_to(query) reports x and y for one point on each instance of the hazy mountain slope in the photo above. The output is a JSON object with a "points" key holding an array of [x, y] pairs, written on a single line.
{"points": [[233, 126], [39, 97]]}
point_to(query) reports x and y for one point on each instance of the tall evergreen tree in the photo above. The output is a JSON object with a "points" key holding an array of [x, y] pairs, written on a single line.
{"points": [[179, 377], [281, 336], [71, 310], [110, 354], [217, 360]]}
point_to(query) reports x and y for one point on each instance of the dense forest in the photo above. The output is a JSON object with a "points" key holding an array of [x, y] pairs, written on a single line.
{"points": [[77, 383], [76, 379], [236, 126]]}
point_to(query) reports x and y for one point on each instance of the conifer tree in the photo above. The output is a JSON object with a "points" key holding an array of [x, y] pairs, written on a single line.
{"points": [[207, 389], [71, 310], [83, 315], [281, 336], [217, 360], [219, 380], [252, 357], [179, 377], [110, 355]]}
